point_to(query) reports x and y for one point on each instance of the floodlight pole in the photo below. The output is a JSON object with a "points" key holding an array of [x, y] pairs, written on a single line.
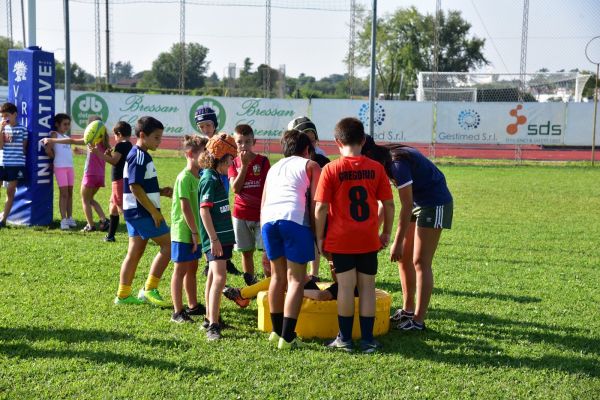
{"points": [[67, 57], [31, 23], [372, 77], [595, 113]]}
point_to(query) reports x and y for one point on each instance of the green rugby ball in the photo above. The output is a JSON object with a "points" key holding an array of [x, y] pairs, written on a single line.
{"points": [[94, 132]]}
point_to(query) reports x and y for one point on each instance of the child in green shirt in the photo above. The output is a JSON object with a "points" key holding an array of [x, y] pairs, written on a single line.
{"points": [[185, 222]]}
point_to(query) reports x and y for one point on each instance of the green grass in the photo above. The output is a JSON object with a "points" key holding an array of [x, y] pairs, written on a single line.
{"points": [[515, 312]]}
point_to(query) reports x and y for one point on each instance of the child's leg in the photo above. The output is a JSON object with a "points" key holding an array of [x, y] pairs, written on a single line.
{"points": [[266, 264], [296, 274], [190, 284], [114, 219], [160, 262], [426, 241], [219, 278], [10, 198], [87, 195], [366, 292], [345, 302], [277, 293], [179, 271], [209, 279], [137, 245], [63, 199], [97, 207], [314, 265], [69, 201], [248, 261], [406, 269]]}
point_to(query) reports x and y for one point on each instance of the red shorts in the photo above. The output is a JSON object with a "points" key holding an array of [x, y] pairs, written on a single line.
{"points": [[93, 181], [116, 196]]}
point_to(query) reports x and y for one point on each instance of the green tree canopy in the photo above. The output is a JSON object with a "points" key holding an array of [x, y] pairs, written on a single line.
{"points": [[166, 67], [405, 46]]}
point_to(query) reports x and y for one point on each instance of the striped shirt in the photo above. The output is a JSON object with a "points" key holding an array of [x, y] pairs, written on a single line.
{"points": [[139, 169], [213, 195], [12, 154]]}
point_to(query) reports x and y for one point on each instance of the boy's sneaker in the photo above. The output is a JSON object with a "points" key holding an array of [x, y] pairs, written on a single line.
{"points": [[181, 317], [127, 300], [294, 344], [250, 279], [274, 338], [109, 239], [369, 347], [2, 224], [231, 269], [88, 228], [338, 343], [213, 332], [71, 222], [153, 297], [234, 294], [64, 225], [222, 325], [314, 278], [103, 225], [400, 315], [198, 310], [410, 325]]}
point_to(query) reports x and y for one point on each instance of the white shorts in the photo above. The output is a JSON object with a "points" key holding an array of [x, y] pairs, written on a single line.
{"points": [[247, 235]]}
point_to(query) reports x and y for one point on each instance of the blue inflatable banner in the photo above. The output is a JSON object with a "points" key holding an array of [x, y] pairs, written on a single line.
{"points": [[31, 89]]}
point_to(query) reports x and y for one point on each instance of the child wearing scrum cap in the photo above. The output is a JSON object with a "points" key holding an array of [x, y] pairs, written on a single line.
{"points": [[216, 232]]}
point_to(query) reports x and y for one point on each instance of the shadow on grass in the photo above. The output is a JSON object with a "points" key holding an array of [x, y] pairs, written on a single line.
{"points": [[26, 351], [70, 335], [481, 338], [395, 287]]}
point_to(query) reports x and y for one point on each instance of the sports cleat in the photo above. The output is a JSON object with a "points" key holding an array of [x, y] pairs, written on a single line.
{"points": [[153, 297], [250, 279], [103, 225], [109, 239], [274, 338], [234, 294], [71, 222], [369, 347], [222, 325], [338, 343], [400, 315], [127, 300], [198, 310], [181, 317], [213, 332], [410, 325], [231, 269], [64, 225], [88, 228], [296, 343]]}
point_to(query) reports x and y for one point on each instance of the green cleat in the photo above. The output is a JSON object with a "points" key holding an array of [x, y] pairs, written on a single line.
{"points": [[153, 297], [127, 300], [274, 338], [294, 344]]}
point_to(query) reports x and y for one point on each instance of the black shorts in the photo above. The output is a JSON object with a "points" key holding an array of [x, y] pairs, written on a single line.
{"points": [[333, 289], [12, 173], [365, 263], [227, 253]]}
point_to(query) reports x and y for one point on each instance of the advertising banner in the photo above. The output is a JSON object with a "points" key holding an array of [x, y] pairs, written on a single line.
{"points": [[500, 123], [395, 121], [31, 89], [268, 117], [580, 117]]}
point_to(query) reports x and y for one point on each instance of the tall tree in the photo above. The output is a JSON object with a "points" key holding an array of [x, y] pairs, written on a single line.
{"points": [[79, 76], [405, 46], [166, 67], [5, 45], [120, 70]]}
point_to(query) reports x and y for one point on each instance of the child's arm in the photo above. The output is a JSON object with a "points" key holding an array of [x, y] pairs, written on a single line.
{"points": [[111, 157], [319, 295], [215, 243], [237, 183], [49, 148], [25, 141], [79, 142], [320, 218], [142, 197], [2, 125], [188, 216], [406, 204], [388, 222], [314, 172]]}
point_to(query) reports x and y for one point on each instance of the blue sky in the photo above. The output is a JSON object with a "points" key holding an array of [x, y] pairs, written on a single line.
{"points": [[313, 42]]}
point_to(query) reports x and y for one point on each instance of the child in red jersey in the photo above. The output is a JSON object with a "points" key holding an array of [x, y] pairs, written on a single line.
{"points": [[347, 195]]}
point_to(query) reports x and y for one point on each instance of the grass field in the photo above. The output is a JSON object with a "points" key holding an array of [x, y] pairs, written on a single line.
{"points": [[515, 312]]}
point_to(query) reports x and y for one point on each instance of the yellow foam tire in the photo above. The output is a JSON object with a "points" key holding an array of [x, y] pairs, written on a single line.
{"points": [[318, 319]]}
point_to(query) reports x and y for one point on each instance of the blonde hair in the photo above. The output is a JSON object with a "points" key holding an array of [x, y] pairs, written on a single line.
{"points": [[194, 143]]}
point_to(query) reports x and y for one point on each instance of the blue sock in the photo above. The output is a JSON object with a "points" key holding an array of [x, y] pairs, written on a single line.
{"points": [[366, 328], [346, 327]]}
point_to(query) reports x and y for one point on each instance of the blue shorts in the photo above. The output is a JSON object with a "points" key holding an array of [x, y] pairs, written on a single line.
{"points": [[145, 228], [182, 252], [12, 173], [290, 240]]}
